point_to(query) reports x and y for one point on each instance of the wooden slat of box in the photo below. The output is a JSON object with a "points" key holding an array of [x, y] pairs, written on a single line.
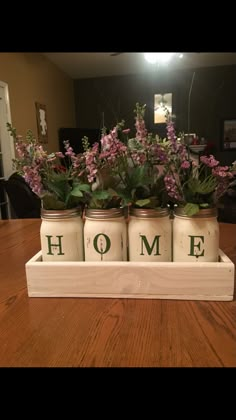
{"points": [[189, 281]]}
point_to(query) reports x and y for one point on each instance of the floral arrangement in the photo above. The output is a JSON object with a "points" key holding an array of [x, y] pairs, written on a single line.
{"points": [[193, 186], [101, 167], [58, 186], [143, 180], [144, 171], [124, 171]]}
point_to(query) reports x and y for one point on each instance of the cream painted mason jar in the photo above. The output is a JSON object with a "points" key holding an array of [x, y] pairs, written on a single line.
{"points": [[105, 235], [149, 233], [61, 235], [195, 238]]}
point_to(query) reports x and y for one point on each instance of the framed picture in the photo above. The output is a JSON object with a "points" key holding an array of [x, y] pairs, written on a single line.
{"points": [[162, 104], [42, 124], [229, 134]]}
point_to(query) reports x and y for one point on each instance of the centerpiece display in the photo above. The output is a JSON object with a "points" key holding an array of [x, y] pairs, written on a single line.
{"points": [[152, 177], [166, 246]]}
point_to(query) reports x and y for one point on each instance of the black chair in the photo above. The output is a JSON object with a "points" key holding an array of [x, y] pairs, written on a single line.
{"points": [[24, 202]]}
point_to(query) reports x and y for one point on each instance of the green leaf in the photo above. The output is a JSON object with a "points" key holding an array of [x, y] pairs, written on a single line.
{"points": [[76, 192], [58, 184], [52, 155], [204, 205], [190, 209], [142, 203], [125, 196], [138, 177], [193, 185], [82, 187], [100, 195], [204, 187], [134, 144]]}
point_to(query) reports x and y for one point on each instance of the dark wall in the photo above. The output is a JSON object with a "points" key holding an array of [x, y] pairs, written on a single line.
{"points": [[213, 98]]}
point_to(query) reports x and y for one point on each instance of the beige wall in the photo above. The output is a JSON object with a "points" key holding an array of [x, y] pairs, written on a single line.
{"points": [[31, 78]]}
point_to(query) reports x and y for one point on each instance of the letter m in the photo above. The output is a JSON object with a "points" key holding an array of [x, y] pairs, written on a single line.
{"points": [[155, 245]]}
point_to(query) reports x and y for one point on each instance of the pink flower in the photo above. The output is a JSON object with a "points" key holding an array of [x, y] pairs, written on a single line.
{"points": [[185, 164], [210, 161]]}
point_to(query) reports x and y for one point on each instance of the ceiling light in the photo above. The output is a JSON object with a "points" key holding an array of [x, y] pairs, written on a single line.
{"points": [[160, 58]]}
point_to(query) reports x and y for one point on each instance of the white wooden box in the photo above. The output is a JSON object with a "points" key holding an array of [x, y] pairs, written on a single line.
{"points": [[189, 281]]}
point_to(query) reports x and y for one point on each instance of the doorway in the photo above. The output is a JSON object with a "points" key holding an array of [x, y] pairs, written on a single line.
{"points": [[6, 141], [7, 151]]}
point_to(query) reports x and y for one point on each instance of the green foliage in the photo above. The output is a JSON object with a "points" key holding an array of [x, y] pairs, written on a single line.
{"points": [[11, 130], [140, 110], [50, 202], [143, 203], [85, 143], [203, 187], [58, 186], [104, 199], [190, 209], [143, 187], [198, 191]]}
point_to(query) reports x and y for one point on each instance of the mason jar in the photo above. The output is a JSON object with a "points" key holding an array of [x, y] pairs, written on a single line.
{"points": [[196, 238], [61, 235], [105, 235], [149, 233]]}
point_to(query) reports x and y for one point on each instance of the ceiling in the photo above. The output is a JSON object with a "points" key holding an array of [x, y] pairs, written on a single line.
{"points": [[80, 65]]}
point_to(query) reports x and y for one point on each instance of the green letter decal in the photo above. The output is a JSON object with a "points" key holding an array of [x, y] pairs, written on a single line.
{"points": [[193, 245], [50, 245], [102, 249], [149, 248]]}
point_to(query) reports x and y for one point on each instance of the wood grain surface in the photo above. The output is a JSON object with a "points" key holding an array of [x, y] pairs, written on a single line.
{"points": [[85, 332]]}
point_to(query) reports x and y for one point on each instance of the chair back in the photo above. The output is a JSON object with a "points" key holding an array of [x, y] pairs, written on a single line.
{"points": [[24, 202]]}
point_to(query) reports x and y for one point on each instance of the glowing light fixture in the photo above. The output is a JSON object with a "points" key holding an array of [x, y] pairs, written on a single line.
{"points": [[160, 58]]}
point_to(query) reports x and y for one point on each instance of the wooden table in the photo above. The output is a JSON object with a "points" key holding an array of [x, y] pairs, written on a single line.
{"points": [[106, 332]]}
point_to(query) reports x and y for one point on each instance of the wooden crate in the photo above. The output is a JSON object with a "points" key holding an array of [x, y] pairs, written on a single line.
{"points": [[189, 281]]}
